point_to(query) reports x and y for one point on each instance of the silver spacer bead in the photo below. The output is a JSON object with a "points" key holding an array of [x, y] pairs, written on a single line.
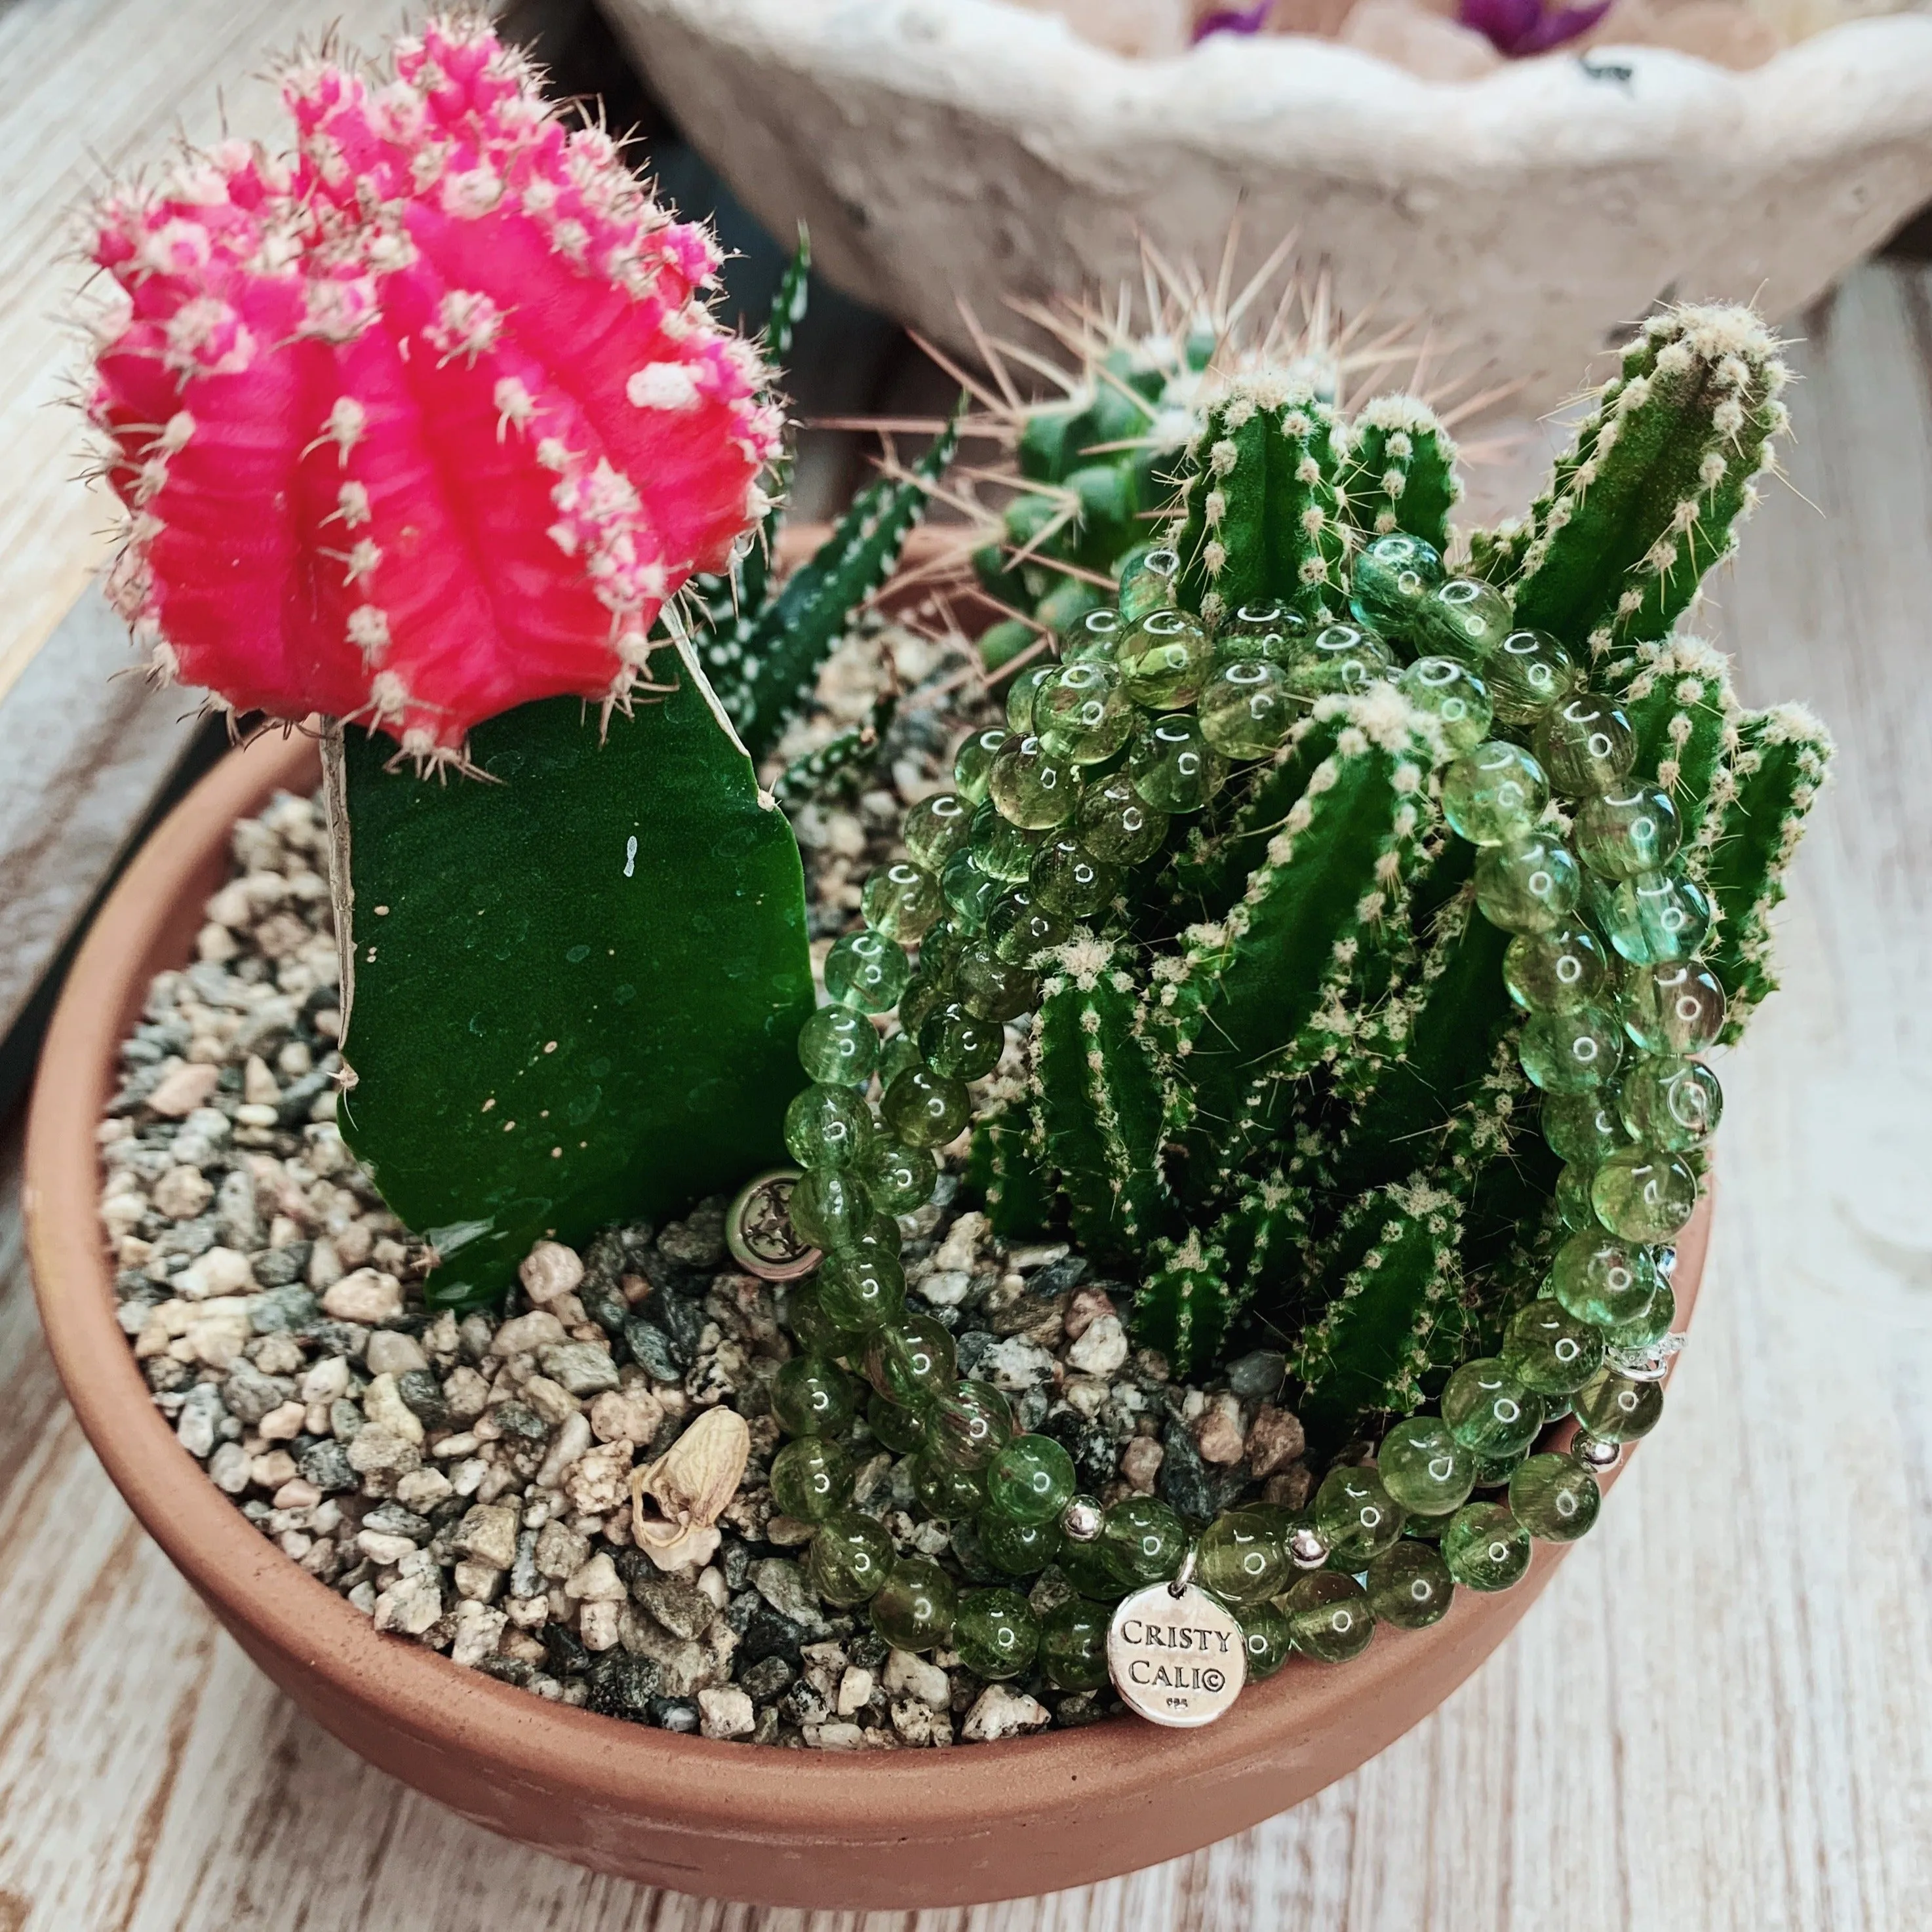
{"points": [[1307, 1549], [1647, 1365], [1595, 1455], [1665, 1260], [1080, 1520]]}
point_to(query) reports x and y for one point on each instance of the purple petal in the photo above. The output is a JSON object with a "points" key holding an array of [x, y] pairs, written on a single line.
{"points": [[1559, 24], [1520, 27], [1236, 20]]}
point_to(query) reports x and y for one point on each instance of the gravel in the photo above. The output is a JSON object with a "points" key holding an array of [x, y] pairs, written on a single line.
{"points": [[464, 1480]]}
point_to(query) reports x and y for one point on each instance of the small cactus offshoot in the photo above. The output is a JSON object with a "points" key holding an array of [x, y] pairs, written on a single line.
{"points": [[1371, 915]]}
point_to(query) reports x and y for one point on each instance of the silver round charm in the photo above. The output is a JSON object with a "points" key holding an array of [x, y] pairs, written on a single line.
{"points": [[1306, 1549], [1176, 1657], [1081, 1520], [1597, 1455], [758, 1229]]}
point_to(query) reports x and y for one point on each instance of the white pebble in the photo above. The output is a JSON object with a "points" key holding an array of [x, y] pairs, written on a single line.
{"points": [[597, 1582], [550, 1270], [365, 1296], [909, 1674], [1000, 1713], [1102, 1349], [228, 1468], [391, 1352], [386, 1409], [726, 1711], [599, 1625]]}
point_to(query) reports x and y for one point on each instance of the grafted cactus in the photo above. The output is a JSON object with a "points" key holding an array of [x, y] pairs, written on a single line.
{"points": [[429, 428], [1393, 898]]}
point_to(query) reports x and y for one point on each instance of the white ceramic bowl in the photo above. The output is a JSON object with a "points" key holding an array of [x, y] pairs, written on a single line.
{"points": [[950, 149]]}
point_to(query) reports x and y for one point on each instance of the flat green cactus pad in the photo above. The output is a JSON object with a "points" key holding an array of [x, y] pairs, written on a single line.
{"points": [[629, 1046]]}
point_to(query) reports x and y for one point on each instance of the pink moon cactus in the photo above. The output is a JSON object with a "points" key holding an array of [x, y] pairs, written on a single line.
{"points": [[426, 421]]}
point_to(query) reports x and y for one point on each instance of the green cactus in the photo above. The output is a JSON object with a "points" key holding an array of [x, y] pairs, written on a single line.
{"points": [[1358, 952], [1400, 472], [1782, 758]]}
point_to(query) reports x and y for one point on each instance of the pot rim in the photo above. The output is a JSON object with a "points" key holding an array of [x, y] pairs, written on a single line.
{"points": [[751, 1793]]}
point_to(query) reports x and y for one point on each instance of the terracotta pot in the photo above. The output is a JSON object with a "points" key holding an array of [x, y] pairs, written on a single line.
{"points": [[889, 1830]]}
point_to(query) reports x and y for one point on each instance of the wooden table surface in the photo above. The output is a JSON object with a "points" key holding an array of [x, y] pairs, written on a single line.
{"points": [[1719, 1716]]}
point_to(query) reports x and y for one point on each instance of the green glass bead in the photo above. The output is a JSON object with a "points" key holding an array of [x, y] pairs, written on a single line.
{"points": [[1032, 788], [1555, 971], [1454, 695], [971, 893], [939, 951], [1409, 1587], [1571, 1052], [1494, 794], [828, 1207], [1165, 660], [1356, 1517], [1243, 1559], [1090, 1568], [1116, 825], [1468, 619], [1272, 629], [1531, 884], [924, 997], [1147, 581], [1093, 638], [1658, 919], [1017, 1549], [1021, 928], [968, 1425], [1633, 829], [1644, 1195], [958, 1044], [1328, 1616], [1000, 849], [1391, 580], [1031, 1480], [1145, 1540], [1647, 1329], [973, 763], [996, 1633], [1554, 1497], [1067, 879], [935, 828], [879, 1235], [1602, 1280], [867, 971], [1173, 767], [1586, 745], [925, 1109], [828, 1126], [1616, 1408], [1671, 1105], [914, 1608], [1247, 709], [1549, 1350], [899, 1178], [862, 1289], [811, 1326], [1574, 1207], [1490, 1411], [1674, 1010], [811, 1395], [1020, 694], [1530, 672], [1083, 716], [902, 1430], [902, 901], [1423, 1467], [993, 988], [810, 1478], [1268, 1638], [839, 1047], [1583, 1129], [1073, 1653], [910, 1360], [1485, 1548], [850, 1557], [1339, 659], [946, 1494]]}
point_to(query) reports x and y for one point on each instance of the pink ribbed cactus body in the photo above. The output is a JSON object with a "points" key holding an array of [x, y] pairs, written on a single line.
{"points": [[429, 420]]}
